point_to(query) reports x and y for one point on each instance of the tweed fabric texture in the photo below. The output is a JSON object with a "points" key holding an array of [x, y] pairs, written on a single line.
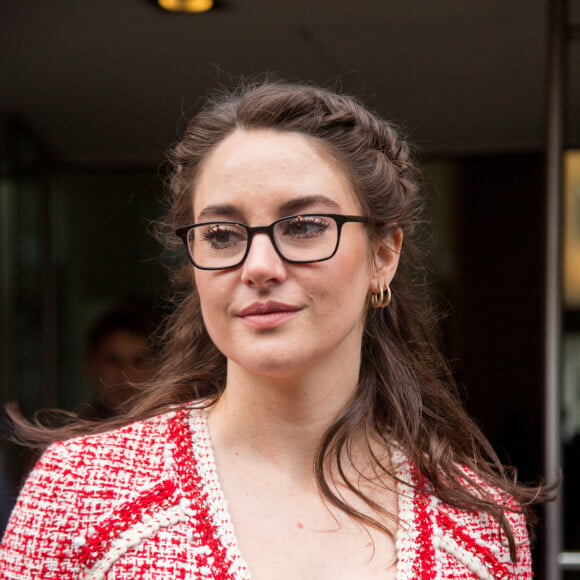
{"points": [[144, 501]]}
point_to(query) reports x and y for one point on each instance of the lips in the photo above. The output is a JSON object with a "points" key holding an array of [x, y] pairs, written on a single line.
{"points": [[267, 315], [269, 307]]}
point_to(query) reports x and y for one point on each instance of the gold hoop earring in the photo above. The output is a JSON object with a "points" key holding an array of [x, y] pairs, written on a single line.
{"points": [[377, 298], [382, 298]]}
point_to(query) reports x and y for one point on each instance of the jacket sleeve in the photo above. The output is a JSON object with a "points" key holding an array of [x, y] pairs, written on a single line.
{"points": [[523, 564], [38, 542]]}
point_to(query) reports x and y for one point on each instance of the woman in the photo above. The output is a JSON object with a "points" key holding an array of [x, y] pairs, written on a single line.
{"points": [[298, 382]]}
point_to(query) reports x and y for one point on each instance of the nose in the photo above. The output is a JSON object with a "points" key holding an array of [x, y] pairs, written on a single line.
{"points": [[263, 266]]}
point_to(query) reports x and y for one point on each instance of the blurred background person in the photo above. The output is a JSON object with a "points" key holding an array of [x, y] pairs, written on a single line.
{"points": [[119, 357]]}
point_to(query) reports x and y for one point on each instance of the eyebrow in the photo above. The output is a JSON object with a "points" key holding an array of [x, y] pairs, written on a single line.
{"points": [[222, 211], [299, 204], [292, 206]]}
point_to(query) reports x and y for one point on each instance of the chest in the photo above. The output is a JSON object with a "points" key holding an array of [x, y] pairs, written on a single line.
{"points": [[287, 532], [275, 550]]}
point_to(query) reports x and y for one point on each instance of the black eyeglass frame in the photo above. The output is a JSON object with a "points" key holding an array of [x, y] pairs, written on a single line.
{"points": [[340, 220]]}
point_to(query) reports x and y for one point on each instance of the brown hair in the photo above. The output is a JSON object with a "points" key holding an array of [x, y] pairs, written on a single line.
{"points": [[405, 391]]}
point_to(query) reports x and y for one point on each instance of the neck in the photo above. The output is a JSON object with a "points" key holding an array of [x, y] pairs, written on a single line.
{"points": [[280, 420]]}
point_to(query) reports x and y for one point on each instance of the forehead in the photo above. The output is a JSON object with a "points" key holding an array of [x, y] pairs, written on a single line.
{"points": [[257, 171]]}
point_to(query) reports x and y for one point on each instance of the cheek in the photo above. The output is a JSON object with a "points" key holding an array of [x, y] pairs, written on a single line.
{"points": [[356, 270], [214, 300], [207, 288], [343, 289]]}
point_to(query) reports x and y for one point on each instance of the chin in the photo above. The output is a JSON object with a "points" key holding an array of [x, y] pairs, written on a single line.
{"points": [[277, 363]]}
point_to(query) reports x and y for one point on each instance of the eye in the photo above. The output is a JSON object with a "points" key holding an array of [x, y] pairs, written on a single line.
{"points": [[221, 236], [305, 226]]}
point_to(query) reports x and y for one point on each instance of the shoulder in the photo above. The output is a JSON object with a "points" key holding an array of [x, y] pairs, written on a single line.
{"points": [[455, 542], [86, 483], [119, 459], [91, 458], [476, 540]]}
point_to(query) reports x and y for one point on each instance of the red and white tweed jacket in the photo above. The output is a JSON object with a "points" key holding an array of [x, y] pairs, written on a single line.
{"points": [[144, 502]]}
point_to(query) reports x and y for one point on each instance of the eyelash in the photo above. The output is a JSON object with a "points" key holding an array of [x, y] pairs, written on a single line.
{"points": [[310, 220], [210, 236]]}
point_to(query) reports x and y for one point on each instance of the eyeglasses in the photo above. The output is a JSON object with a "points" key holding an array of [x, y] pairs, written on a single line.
{"points": [[298, 239]]}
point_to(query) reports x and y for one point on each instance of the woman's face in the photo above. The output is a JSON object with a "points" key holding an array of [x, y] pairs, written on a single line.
{"points": [[119, 360], [269, 316]]}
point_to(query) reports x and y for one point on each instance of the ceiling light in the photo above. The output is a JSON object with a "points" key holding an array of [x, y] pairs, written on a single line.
{"points": [[186, 5]]}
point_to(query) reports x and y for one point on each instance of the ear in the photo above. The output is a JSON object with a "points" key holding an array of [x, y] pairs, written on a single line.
{"points": [[386, 255]]}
